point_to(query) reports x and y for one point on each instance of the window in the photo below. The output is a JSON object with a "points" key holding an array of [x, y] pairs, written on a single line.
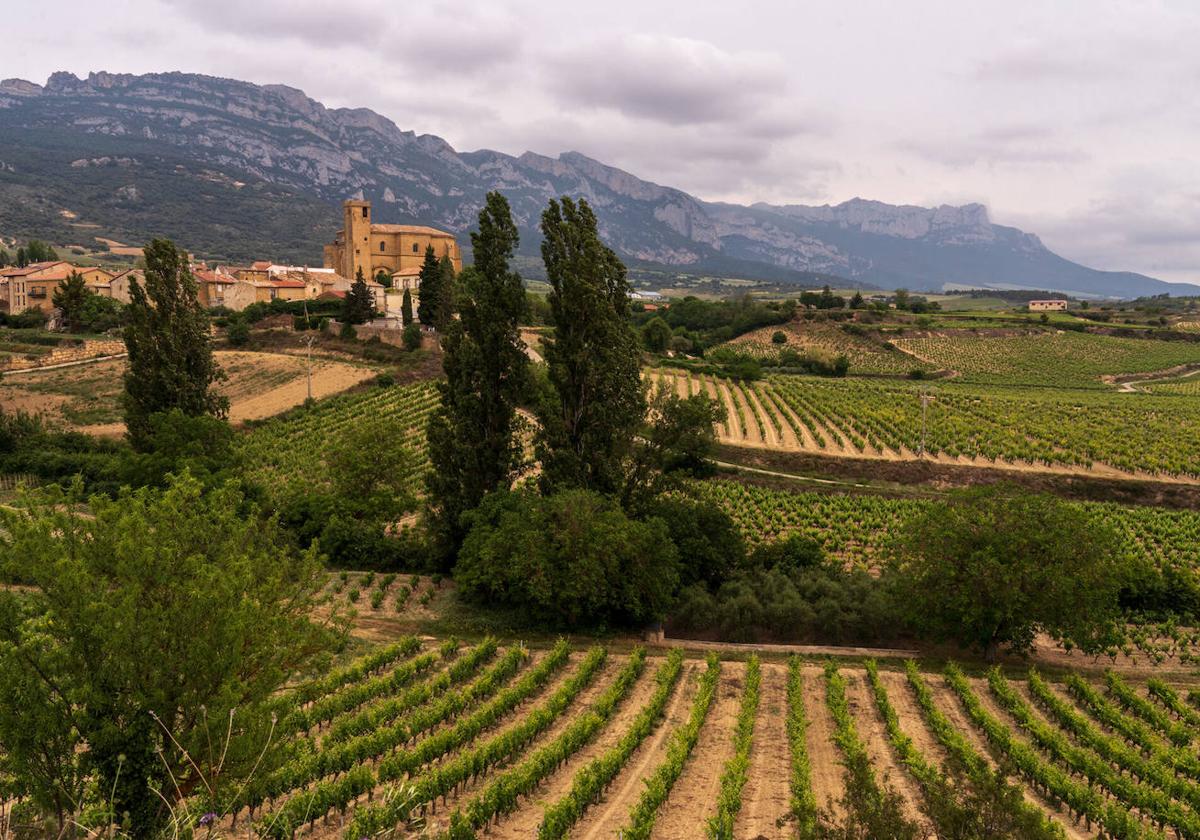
{"points": [[381, 246], [365, 210], [416, 248], [37, 292]]}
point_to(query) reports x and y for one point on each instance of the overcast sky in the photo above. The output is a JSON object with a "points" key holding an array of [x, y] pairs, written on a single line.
{"points": [[1078, 120]]}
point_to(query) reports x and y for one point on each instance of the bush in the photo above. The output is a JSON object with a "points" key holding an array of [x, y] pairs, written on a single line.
{"points": [[779, 337], [411, 336], [238, 332], [709, 544], [788, 554], [817, 604], [347, 331], [573, 558]]}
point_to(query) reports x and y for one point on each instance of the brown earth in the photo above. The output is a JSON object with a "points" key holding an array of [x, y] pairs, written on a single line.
{"points": [[766, 799], [693, 798], [606, 818], [824, 757]]}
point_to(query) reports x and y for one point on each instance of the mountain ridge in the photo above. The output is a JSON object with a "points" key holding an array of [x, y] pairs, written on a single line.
{"points": [[284, 147]]}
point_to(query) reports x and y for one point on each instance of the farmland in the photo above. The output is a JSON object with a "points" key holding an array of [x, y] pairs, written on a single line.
{"points": [[291, 448], [487, 739], [88, 397], [1155, 433]]}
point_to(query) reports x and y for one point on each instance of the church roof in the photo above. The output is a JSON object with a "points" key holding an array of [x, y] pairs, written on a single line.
{"points": [[409, 229]]}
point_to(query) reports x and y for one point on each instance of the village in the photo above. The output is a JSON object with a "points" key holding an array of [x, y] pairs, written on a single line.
{"points": [[388, 256]]}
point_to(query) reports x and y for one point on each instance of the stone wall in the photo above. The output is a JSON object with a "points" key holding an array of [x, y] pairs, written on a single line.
{"points": [[63, 355]]}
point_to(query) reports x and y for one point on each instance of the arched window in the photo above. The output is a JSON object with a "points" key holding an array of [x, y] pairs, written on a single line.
{"points": [[381, 246], [416, 248]]}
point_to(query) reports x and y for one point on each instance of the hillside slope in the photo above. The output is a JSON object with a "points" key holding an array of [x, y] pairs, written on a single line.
{"points": [[238, 170]]}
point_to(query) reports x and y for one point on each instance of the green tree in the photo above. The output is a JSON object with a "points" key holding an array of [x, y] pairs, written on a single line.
{"points": [[171, 362], [22, 257], [573, 559], [383, 278], [429, 289], [238, 332], [597, 402], [100, 314], [358, 306], [447, 302], [158, 628], [656, 335], [38, 251], [856, 302], [406, 309], [5, 259], [677, 439], [411, 336], [997, 565], [71, 297], [902, 299], [473, 444]]}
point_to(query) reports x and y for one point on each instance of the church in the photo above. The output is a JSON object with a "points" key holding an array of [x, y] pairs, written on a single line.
{"points": [[398, 250]]}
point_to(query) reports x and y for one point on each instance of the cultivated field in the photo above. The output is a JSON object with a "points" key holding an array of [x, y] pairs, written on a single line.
{"points": [[88, 397], [500, 741], [1150, 432], [291, 449]]}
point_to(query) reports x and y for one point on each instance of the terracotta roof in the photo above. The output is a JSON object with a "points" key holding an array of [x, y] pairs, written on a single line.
{"points": [[260, 265], [36, 267], [330, 295], [409, 229], [205, 276], [287, 284], [407, 272]]}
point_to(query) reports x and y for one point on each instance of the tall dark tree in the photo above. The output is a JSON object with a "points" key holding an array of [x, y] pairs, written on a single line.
{"points": [[406, 312], [71, 296], [598, 404], [22, 258], [429, 288], [5, 259], [358, 306], [447, 303], [171, 362], [472, 435]]}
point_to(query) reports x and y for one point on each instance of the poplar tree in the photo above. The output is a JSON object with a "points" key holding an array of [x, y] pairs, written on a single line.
{"points": [[171, 362], [473, 444], [429, 288], [589, 427]]}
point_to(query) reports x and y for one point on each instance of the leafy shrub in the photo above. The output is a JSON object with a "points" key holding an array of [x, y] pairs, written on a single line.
{"points": [[411, 336], [779, 337], [574, 558]]}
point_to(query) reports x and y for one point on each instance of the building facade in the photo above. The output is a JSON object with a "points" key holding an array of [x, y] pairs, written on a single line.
{"points": [[1047, 306], [362, 244]]}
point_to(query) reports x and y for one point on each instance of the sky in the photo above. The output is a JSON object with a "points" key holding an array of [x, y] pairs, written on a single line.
{"points": [[1077, 120]]}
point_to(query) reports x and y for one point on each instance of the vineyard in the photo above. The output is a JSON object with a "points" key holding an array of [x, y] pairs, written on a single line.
{"points": [[856, 527], [290, 450], [1062, 359], [448, 740], [868, 352], [1155, 433]]}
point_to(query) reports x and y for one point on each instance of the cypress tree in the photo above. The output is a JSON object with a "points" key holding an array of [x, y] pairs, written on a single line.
{"points": [[592, 357], [447, 302], [429, 288], [406, 313], [171, 363], [358, 307], [22, 258], [472, 435]]}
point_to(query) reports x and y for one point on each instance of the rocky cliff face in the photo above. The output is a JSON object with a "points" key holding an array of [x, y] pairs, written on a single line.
{"points": [[275, 137]]}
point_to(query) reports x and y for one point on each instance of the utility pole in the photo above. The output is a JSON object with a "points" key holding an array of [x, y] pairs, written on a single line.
{"points": [[310, 339]]}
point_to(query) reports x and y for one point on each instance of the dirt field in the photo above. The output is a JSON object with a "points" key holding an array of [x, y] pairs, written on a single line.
{"points": [[87, 397]]}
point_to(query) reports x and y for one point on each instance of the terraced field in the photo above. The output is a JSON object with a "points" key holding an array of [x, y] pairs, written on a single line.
{"points": [[445, 740], [868, 352], [1085, 430]]}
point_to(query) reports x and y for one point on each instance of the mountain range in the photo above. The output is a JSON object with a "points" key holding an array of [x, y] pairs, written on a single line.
{"points": [[237, 170]]}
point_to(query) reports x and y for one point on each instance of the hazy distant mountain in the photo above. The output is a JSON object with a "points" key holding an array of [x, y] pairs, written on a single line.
{"points": [[237, 170]]}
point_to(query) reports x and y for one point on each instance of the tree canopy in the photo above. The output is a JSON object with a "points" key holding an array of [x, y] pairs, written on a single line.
{"points": [[171, 363], [597, 402], [71, 296], [997, 565], [473, 445], [145, 656], [429, 288]]}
